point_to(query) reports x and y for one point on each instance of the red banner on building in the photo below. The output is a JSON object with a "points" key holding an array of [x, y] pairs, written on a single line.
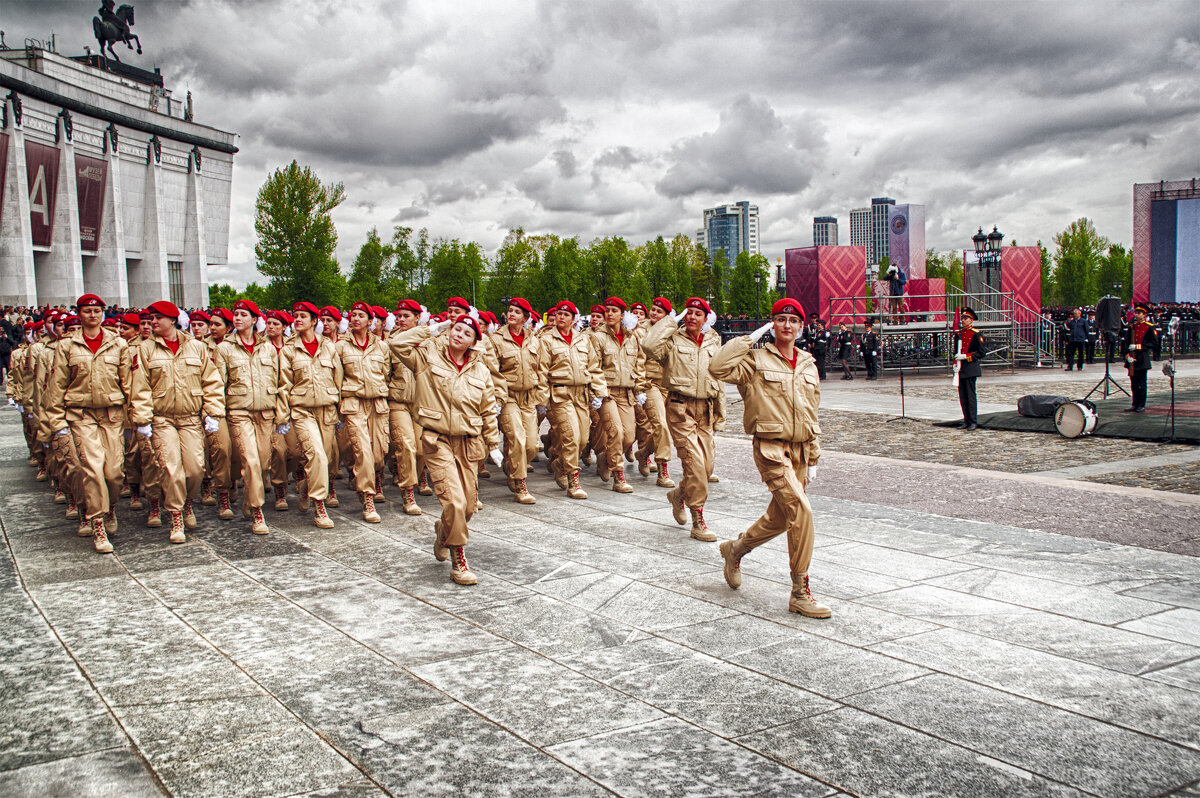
{"points": [[3, 169], [41, 170], [91, 175]]}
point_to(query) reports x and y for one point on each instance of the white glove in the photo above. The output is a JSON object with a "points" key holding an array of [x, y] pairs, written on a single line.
{"points": [[597, 401], [542, 410], [497, 408], [760, 332], [61, 432], [145, 431], [210, 424], [812, 473], [497, 458], [437, 327], [12, 402], [283, 429], [960, 356], [341, 424], [640, 399], [875, 353]]}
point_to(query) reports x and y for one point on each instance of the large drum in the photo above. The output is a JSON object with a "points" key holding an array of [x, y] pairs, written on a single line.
{"points": [[1076, 419]]}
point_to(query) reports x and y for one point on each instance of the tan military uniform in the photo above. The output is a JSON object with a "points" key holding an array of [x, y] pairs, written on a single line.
{"points": [[572, 378], [87, 396], [364, 406], [222, 460], [313, 385], [252, 402], [654, 439], [402, 432], [619, 362], [524, 381], [170, 392]]}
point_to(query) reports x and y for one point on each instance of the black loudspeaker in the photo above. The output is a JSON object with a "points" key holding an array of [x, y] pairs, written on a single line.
{"points": [[1108, 314]]}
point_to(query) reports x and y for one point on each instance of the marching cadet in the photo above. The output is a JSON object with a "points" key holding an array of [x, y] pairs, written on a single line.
{"points": [[174, 384], [519, 353], [284, 448], [655, 450], [310, 375], [141, 469], [684, 353], [401, 429], [222, 461], [86, 400], [455, 400], [1139, 341], [366, 363], [36, 371], [967, 366], [146, 325], [617, 345], [333, 326], [248, 366], [642, 425], [595, 436], [574, 385], [868, 346], [198, 323], [63, 457], [781, 390]]}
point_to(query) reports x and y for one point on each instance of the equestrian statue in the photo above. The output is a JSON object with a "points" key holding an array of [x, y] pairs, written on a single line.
{"points": [[114, 26]]}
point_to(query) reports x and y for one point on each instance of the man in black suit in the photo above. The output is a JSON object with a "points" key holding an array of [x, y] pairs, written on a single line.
{"points": [[967, 364], [868, 345]]}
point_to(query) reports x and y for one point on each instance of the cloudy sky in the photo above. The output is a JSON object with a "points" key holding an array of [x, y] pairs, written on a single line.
{"points": [[629, 118]]}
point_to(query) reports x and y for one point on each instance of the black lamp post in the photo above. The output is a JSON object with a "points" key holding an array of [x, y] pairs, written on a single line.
{"points": [[987, 251], [758, 281]]}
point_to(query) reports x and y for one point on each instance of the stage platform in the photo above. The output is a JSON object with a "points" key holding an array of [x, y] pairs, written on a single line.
{"points": [[1153, 425]]}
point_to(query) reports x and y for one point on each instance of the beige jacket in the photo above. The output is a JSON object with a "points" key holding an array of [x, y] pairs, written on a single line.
{"points": [[780, 402], [307, 380], [652, 371], [619, 359], [251, 379], [364, 372], [185, 383], [684, 364], [81, 379], [519, 365], [447, 400], [570, 364], [17, 384]]}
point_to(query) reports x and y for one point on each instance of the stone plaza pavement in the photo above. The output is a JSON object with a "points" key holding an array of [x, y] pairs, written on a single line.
{"points": [[601, 653]]}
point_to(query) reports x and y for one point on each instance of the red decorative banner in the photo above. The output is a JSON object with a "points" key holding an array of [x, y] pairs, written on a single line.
{"points": [[3, 169], [41, 170], [91, 175]]}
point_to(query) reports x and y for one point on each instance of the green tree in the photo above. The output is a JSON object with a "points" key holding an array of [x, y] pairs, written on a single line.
{"points": [[611, 266], [400, 270], [517, 262], [750, 289], [366, 281], [455, 269], [656, 269], [297, 237], [1049, 288], [884, 262], [945, 266], [1080, 249], [560, 275], [718, 281], [684, 258], [1116, 268], [223, 295]]}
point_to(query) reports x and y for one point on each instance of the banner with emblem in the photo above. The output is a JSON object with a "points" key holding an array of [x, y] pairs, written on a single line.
{"points": [[91, 177], [41, 170], [3, 169]]}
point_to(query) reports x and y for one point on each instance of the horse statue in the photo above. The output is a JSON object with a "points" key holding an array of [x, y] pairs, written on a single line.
{"points": [[114, 26]]}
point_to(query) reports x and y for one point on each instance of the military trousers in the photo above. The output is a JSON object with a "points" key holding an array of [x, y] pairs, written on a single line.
{"points": [[100, 444], [781, 465]]}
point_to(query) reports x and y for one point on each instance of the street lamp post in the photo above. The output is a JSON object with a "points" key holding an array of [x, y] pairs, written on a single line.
{"points": [[987, 251], [758, 281]]}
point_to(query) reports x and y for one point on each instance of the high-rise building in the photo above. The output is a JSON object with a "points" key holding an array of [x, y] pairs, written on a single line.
{"points": [[880, 208], [825, 231], [860, 230], [732, 227]]}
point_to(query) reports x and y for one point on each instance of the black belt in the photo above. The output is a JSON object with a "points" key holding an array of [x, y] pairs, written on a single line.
{"points": [[678, 397], [563, 385]]}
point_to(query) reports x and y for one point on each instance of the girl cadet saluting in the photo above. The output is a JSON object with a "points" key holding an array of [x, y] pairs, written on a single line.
{"points": [[455, 400], [174, 383], [366, 363], [249, 367]]}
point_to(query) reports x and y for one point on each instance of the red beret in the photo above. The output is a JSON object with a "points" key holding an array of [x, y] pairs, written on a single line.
{"points": [[566, 304], [109, 322], [598, 309], [89, 301], [378, 312], [307, 307], [787, 305], [663, 303], [332, 311], [363, 306], [474, 325], [248, 306], [164, 308], [222, 314], [637, 305], [37, 325], [199, 315], [132, 319], [616, 302], [438, 318], [699, 304], [522, 303], [281, 316], [145, 315], [68, 321], [411, 305], [457, 301]]}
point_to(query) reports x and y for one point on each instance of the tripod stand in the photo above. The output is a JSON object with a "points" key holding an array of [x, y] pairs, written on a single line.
{"points": [[1108, 351], [902, 416], [1169, 370]]}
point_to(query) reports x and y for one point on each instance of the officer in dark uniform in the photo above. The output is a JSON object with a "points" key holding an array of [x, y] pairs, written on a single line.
{"points": [[1093, 335], [845, 340], [967, 364], [818, 344], [1138, 343], [868, 346]]}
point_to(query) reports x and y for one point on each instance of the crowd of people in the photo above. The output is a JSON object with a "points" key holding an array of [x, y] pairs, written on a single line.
{"points": [[175, 410]]}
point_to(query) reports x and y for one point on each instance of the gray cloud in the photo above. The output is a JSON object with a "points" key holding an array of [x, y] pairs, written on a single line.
{"points": [[409, 214]]}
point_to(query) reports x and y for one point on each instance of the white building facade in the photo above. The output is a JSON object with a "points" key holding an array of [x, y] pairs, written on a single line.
{"points": [[107, 186]]}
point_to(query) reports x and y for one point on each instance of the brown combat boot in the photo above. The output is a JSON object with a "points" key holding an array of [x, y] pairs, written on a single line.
{"points": [[573, 489], [560, 478], [732, 552], [100, 537], [483, 471], [177, 534], [259, 527], [72, 508], [521, 494], [802, 600], [110, 522], [619, 483], [281, 498], [410, 501], [154, 520], [713, 478], [206, 494], [700, 530], [302, 500], [41, 475], [368, 503], [135, 497], [226, 511], [644, 466], [440, 552], [126, 489], [664, 479], [379, 497], [677, 508], [460, 572], [423, 485], [332, 500], [189, 515], [585, 457], [59, 496], [320, 517]]}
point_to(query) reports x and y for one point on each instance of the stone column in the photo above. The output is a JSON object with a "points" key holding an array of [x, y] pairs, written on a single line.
{"points": [[195, 259], [60, 271], [18, 285], [105, 273], [148, 280]]}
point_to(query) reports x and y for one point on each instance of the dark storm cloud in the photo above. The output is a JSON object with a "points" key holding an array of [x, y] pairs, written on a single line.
{"points": [[617, 158], [567, 167], [751, 150], [447, 191], [410, 213]]}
